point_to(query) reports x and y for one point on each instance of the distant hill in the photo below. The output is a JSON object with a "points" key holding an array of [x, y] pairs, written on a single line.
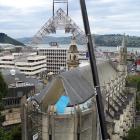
{"points": [[8, 40], [100, 40], [47, 40], [116, 40]]}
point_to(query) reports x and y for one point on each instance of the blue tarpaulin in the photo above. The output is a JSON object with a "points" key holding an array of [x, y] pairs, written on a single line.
{"points": [[61, 104]]}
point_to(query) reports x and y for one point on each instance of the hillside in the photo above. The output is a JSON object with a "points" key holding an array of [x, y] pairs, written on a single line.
{"points": [[47, 40], [116, 40], [100, 40], [8, 40]]}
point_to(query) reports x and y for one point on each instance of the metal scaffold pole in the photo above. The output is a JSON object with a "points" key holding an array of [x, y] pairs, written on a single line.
{"points": [[90, 44]]}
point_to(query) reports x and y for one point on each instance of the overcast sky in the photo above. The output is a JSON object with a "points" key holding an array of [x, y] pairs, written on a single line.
{"points": [[23, 18]]}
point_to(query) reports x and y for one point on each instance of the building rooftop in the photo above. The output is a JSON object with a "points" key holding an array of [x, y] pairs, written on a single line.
{"points": [[52, 48], [76, 84], [19, 79], [22, 57]]}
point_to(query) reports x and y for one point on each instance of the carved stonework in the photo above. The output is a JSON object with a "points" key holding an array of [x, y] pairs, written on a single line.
{"points": [[72, 60], [122, 67], [123, 56]]}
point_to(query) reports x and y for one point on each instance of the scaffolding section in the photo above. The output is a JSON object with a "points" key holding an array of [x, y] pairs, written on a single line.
{"points": [[33, 121], [60, 21], [64, 2]]}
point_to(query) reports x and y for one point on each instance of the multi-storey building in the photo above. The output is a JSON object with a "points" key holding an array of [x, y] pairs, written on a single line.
{"points": [[29, 64], [7, 61], [56, 58], [32, 65], [19, 87]]}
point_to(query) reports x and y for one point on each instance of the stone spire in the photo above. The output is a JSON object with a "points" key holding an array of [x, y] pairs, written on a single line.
{"points": [[123, 41], [123, 52], [72, 60], [123, 55]]}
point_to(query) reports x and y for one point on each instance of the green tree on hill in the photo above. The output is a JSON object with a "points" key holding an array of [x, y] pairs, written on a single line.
{"points": [[133, 134], [4, 135], [3, 89], [14, 133], [135, 80], [6, 39]]}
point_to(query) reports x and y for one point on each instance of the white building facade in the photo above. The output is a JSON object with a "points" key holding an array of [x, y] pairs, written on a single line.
{"points": [[29, 64], [56, 58], [7, 62]]}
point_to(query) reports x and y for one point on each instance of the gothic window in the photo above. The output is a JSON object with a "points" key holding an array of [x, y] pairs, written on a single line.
{"points": [[74, 57], [70, 57]]}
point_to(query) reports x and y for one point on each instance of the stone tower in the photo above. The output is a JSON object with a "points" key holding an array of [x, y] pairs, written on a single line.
{"points": [[123, 56], [72, 59]]}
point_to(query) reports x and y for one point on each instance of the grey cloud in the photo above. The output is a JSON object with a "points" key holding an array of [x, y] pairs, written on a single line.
{"points": [[106, 16]]}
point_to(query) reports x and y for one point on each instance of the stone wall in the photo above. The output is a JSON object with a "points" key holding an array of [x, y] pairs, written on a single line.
{"points": [[81, 125]]}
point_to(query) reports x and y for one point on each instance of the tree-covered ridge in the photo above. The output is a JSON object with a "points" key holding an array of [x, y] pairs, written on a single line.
{"points": [[8, 40], [100, 40], [116, 40]]}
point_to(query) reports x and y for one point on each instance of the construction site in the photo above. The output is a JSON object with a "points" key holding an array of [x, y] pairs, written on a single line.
{"points": [[91, 102]]}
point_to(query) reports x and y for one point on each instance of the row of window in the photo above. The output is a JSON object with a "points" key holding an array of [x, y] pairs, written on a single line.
{"points": [[32, 70], [54, 68], [56, 58], [31, 65], [15, 101], [52, 54], [36, 60], [53, 51], [56, 65], [7, 59], [7, 64], [55, 61]]}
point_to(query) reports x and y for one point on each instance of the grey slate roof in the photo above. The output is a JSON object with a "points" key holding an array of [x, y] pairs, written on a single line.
{"points": [[76, 87], [10, 79], [77, 84]]}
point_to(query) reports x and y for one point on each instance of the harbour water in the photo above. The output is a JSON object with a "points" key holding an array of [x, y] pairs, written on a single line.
{"points": [[103, 48]]}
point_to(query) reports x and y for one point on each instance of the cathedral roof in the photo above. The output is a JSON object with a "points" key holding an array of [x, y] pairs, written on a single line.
{"points": [[76, 84]]}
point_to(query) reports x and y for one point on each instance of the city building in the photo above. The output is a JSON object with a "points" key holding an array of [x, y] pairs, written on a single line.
{"points": [[19, 86], [6, 47], [30, 64], [7, 61], [66, 108], [9, 48], [56, 58]]}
